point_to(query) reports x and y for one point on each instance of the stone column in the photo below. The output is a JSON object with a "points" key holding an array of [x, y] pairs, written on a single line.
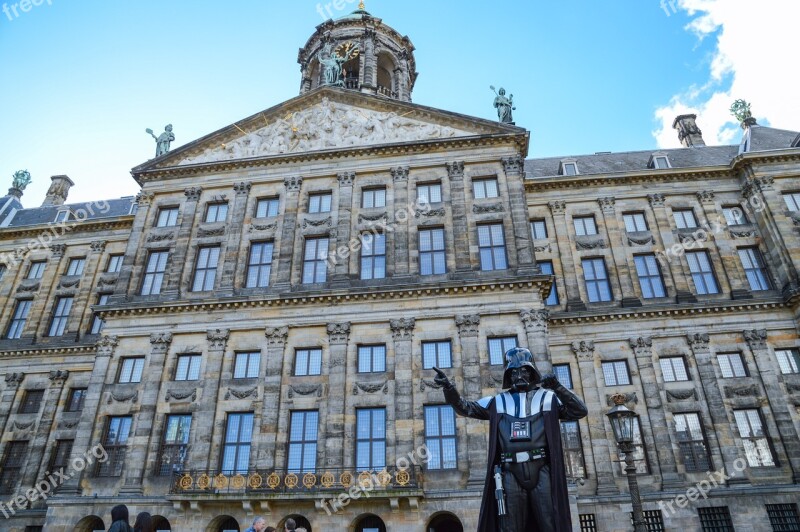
{"points": [[265, 447], [287, 235], [776, 398], [178, 259], [140, 441], [643, 349], [13, 380], [341, 271], [400, 222], [564, 243], [210, 416], [37, 467], [536, 332], [234, 239], [617, 243], [515, 171], [698, 342], [599, 443], [130, 261], [458, 205], [468, 331], [86, 426], [338, 335], [402, 335], [672, 263], [731, 264], [39, 315]]}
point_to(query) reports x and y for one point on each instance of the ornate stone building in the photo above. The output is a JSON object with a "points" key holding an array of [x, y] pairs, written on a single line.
{"points": [[253, 333]]}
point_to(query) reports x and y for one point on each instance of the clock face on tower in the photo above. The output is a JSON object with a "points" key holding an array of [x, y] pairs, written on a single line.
{"points": [[347, 50]]}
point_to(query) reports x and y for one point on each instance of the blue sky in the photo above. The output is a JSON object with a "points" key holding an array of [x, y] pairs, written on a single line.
{"points": [[80, 80]]}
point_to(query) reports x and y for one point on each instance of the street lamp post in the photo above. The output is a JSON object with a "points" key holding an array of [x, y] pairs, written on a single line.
{"points": [[621, 419]]}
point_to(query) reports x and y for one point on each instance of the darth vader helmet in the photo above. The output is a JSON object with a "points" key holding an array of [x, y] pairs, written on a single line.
{"points": [[518, 357]]}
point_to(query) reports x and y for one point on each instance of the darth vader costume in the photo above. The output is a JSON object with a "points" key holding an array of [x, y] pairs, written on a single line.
{"points": [[525, 442]]}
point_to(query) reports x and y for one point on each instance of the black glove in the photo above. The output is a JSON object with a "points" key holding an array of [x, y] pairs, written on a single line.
{"points": [[441, 379], [550, 381]]}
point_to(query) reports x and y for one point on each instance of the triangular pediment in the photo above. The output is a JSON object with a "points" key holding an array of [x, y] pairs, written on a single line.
{"points": [[324, 120]]}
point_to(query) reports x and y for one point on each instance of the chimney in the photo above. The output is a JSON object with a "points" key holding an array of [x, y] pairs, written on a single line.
{"points": [[688, 132], [58, 191]]}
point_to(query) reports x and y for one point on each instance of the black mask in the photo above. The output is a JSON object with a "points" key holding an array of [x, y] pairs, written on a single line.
{"points": [[521, 378]]}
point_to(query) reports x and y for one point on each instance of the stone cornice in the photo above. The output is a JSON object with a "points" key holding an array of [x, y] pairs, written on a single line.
{"points": [[49, 351], [123, 222]]}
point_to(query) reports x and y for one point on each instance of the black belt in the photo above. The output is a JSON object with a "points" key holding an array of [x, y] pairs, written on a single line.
{"points": [[525, 456]]}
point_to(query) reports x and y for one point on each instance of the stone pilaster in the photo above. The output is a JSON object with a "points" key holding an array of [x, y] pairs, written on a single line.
{"points": [[234, 237], [514, 168], [643, 349], [672, 262], [134, 254], [338, 336], [458, 205], [402, 336], [86, 426], [402, 216], [40, 313], [341, 271], [265, 445], [36, 467], [210, 417], [140, 441], [789, 445], [574, 302], [468, 333], [616, 240], [287, 231], [177, 260], [7, 398], [536, 322], [600, 444]]}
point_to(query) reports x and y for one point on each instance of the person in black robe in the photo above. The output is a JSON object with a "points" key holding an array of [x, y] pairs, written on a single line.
{"points": [[525, 441]]}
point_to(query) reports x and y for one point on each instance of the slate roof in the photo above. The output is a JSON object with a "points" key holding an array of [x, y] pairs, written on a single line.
{"points": [[94, 211]]}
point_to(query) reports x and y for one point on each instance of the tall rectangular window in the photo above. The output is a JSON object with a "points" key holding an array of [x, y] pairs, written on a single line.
{"points": [[570, 169], [584, 225], [692, 442], [238, 436], [783, 516], [75, 399], [319, 203], [685, 219], [563, 374], [673, 369], [702, 272], [440, 437], [130, 370], [715, 519], [432, 258], [538, 229], [2, 271], [734, 216], [13, 460], [17, 324], [616, 373], [373, 256], [259, 267], [154, 273], [573, 449], [485, 188], [247, 365], [436, 354], [639, 451], [31, 402], [167, 217], [315, 267], [370, 439], [634, 222], [267, 207], [598, 287], [205, 270], [792, 200], [188, 368], [754, 436], [303, 441], [216, 212], [175, 444], [371, 358], [547, 269], [788, 360], [307, 362], [36, 270], [498, 347], [731, 365], [429, 193], [115, 442], [114, 263], [373, 197], [76, 266], [97, 322], [492, 246], [60, 458], [60, 316], [755, 269], [649, 276]]}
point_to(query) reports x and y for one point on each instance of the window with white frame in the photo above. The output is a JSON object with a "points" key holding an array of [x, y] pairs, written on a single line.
{"points": [[437, 354], [492, 247], [259, 265], [734, 215], [755, 269], [569, 168], [639, 450], [674, 369], [130, 370], [731, 365], [267, 207], [692, 442], [62, 216], [373, 198], [205, 271], [634, 222], [757, 447], [216, 212], [584, 225], [188, 368], [649, 274], [440, 437], [538, 229], [114, 263], [598, 287], [788, 360], [661, 162], [60, 316], [498, 346], [684, 219], [315, 265], [246, 365], [175, 444], [370, 439], [36, 270], [115, 442], [432, 256], [615, 373], [167, 217], [154, 273], [238, 438], [373, 256], [485, 188], [546, 267], [20, 317], [97, 322], [307, 362], [792, 200], [76, 266], [702, 272], [564, 375], [319, 202], [429, 193], [303, 426], [372, 358], [572, 447]]}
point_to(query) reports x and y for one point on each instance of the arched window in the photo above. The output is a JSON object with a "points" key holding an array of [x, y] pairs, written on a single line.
{"points": [[301, 522], [160, 524], [445, 523], [224, 523], [91, 523], [370, 523], [385, 80]]}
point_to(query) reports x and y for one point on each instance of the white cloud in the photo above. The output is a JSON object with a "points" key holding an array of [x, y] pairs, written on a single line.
{"points": [[752, 60]]}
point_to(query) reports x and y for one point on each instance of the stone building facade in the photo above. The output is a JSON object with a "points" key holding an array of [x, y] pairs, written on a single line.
{"points": [[253, 333]]}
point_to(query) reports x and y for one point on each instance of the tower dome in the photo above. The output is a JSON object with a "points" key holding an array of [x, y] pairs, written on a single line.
{"points": [[359, 52]]}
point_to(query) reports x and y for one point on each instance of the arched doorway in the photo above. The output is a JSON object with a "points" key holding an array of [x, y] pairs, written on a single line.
{"points": [[160, 524], [445, 523], [90, 523], [301, 522], [370, 523], [223, 523]]}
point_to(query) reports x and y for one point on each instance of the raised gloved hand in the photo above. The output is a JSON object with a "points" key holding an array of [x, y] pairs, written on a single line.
{"points": [[441, 379], [550, 381]]}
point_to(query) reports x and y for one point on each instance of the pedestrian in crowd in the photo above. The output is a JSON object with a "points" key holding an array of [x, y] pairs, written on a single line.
{"points": [[290, 525], [270, 529], [258, 525], [144, 523], [119, 519], [301, 529]]}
